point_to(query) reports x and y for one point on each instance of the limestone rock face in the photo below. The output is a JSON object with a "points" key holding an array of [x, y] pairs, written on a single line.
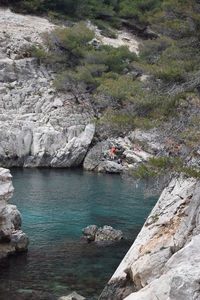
{"points": [[110, 167], [12, 238], [95, 155], [164, 263], [98, 157], [38, 125]]}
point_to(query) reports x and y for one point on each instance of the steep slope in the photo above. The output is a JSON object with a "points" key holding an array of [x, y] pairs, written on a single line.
{"points": [[39, 127], [163, 262]]}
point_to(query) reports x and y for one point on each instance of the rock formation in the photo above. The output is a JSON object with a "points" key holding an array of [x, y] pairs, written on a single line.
{"points": [[163, 263], [98, 157], [106, 233], [39, 126], [72, 296], [12, 239]]}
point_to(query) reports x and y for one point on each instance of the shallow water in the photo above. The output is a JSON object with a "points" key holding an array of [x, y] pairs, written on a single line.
{"points": [[56, 205]]}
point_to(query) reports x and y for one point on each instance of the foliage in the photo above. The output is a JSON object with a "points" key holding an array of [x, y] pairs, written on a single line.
{"points": [[171, 61], [140, 9], [38, 52], [74, 39], [162, 165], [85, 63], [121, 88]]}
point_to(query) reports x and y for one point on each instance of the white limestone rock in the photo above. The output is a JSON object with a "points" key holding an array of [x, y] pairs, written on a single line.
{"points": [[75, 150], [35, 120], [72, 296], [110, 167], [163, 262], [12, 239]]}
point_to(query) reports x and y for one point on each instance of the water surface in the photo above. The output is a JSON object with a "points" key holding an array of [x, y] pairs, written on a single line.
{"points": [[56, 205]]}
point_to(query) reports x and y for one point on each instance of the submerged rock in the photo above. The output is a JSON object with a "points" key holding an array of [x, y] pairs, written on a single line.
{"points": [[105, 233], [90, 232], [72, 296], [12, 238]]}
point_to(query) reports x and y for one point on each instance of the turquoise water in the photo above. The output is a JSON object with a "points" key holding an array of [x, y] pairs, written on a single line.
{"points": [[56, 205]]}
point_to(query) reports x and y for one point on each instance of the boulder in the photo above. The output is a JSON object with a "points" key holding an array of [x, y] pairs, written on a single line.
{"points": [[110, 167], [95, 156], [20, 241], [105, 233], [72, 296], [73, 153], [89, 232]]}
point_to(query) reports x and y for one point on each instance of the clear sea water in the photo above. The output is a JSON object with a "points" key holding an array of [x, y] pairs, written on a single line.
{"points": [[55, 206]]}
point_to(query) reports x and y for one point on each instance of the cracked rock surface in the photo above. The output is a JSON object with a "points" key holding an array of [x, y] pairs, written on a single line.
{"points": [[38, 125], [164, 262], [12, 238]]}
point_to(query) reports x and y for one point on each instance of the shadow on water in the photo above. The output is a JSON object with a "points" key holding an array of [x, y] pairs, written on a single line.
{"points": [[56, 205]]}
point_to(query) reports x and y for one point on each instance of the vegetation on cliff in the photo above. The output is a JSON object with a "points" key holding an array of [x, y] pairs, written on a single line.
{"points": [[160, 86]]}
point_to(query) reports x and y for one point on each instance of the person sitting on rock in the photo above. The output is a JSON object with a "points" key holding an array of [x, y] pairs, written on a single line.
{"points": [[112, 153]]}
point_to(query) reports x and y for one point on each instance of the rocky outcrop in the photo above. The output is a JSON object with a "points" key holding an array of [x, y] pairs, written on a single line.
{"points": [[163, 263], [106, 233], [39, 126], [12, 238], [98, 158], [72, 296]]}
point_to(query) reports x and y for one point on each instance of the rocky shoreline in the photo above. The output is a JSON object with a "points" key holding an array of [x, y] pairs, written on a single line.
{"points": [[41, 127], [163, 262], [12, 238]]}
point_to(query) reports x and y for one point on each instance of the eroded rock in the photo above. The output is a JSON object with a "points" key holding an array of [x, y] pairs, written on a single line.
{"points": [[72, 296], [162, 262], [12, 239], [35, 120], [105, 233]]}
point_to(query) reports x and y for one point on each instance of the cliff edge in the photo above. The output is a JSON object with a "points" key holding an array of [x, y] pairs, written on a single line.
{"points": [[12, 238], [163, 262], [39, 126]]}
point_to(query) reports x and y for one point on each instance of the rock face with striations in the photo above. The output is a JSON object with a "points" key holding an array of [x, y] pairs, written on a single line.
{"points": [[164, 262], [12, 238], [38, 125]]}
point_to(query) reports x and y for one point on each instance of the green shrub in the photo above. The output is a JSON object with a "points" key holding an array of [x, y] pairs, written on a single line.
{"points": [[75, 39], [121, 88], [116, 121], [161, 162], [105, 28], [173, 72], [38, 52], [191, 172], [151, 50]]}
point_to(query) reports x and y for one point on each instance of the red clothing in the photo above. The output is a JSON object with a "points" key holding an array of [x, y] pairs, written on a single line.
{"points": [[112, 150]]}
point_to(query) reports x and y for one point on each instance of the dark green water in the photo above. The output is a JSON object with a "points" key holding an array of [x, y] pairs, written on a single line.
{"points": [[56, 205]]}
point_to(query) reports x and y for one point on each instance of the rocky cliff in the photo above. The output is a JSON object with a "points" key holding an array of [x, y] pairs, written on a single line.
{"points": [[12, 239], [163, 263], [39, 127]]}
